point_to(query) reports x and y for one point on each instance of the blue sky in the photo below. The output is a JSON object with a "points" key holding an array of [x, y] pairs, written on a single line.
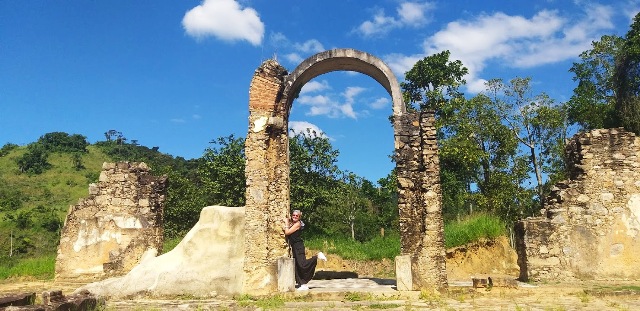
{"points": [[176, 74]]}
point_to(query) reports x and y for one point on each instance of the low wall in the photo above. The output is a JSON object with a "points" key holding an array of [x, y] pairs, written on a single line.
{"points": [[107, 233]]}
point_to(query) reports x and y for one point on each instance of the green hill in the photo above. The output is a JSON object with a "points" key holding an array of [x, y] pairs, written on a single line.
{"points": [[33, 206]]}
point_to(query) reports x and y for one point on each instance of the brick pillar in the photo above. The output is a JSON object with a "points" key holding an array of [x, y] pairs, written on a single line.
{"points": [[267, 173]]}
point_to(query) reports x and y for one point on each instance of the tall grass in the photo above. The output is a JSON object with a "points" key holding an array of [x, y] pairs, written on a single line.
{"points": [[473, 228], [41, 267], [374, 249], [456, 233]]}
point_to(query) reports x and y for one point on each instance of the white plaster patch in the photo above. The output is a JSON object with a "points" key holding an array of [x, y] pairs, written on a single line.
{"points": [[632, 219], [260, 124], [127, 222], [85, 238]]}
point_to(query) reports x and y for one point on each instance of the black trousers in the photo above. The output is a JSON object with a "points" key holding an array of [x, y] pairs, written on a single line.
{"points": [[305, 268]]}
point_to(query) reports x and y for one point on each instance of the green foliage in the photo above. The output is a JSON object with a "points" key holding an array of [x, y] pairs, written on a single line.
{"points": [[313, 175], [63, 142], [608, 78], [33, 207], [34, 161], [334, 202], [10, 199], [473, 228], [432, 81], [627, 79], [538, 125], [7, 148], [592, 105], [222, 172]]}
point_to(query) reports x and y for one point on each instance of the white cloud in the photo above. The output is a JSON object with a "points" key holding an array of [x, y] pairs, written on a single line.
{"points": [[309, 46], [315, 86], [515, 41], [278, 39], [316, 100], [413, 13], [380, 103], [294, 58], [297, 51], [409, 13], [224, 19], [352, 91], [300, 127], [325, 105]]}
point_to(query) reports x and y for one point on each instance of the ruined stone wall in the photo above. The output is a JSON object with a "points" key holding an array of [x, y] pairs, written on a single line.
{"points": [[420, 199], [107, 233], [589, 228], [267, 172]]}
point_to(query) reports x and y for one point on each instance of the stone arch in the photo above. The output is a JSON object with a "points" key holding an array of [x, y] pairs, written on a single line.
{"points": [[271, 95], [343, 60]]}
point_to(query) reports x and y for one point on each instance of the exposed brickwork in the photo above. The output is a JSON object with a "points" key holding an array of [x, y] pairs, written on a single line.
{"points": [[107, 233], [267, 172], [590, 226]]}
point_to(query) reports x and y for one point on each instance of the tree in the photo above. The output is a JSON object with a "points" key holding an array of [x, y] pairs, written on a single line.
{"points": [[222, 172], [432, 81], [313, 174], [7, 148], [34, 161], [627, 79], [478, 153], [63, 142], [534, 120], [608, 78], [593, 102]]}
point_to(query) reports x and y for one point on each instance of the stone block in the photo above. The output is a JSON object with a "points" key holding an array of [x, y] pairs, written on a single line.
{"points": [[286, 274], [404, 278], [23, 299]]}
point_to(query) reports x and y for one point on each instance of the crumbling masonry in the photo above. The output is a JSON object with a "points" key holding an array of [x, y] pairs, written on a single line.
{"points": [[271, 95], [107, 233], [590, 226]]}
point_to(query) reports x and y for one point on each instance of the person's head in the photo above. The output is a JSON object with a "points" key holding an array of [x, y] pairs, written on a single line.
{"points": [[296, 215]]}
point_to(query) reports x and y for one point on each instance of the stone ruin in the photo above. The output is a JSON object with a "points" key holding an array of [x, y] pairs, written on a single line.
{"points": [[108, 233], [590, 225], [588, 229], [271, 96]]}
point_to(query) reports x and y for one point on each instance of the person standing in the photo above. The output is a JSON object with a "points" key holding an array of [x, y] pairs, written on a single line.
{"points": [[305, 268]]}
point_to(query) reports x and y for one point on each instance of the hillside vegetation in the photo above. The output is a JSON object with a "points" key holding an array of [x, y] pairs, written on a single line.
{"points": [[33, 206]]}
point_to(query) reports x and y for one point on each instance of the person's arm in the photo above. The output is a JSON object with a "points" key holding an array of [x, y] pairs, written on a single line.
{"points": [[289, 230]]}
